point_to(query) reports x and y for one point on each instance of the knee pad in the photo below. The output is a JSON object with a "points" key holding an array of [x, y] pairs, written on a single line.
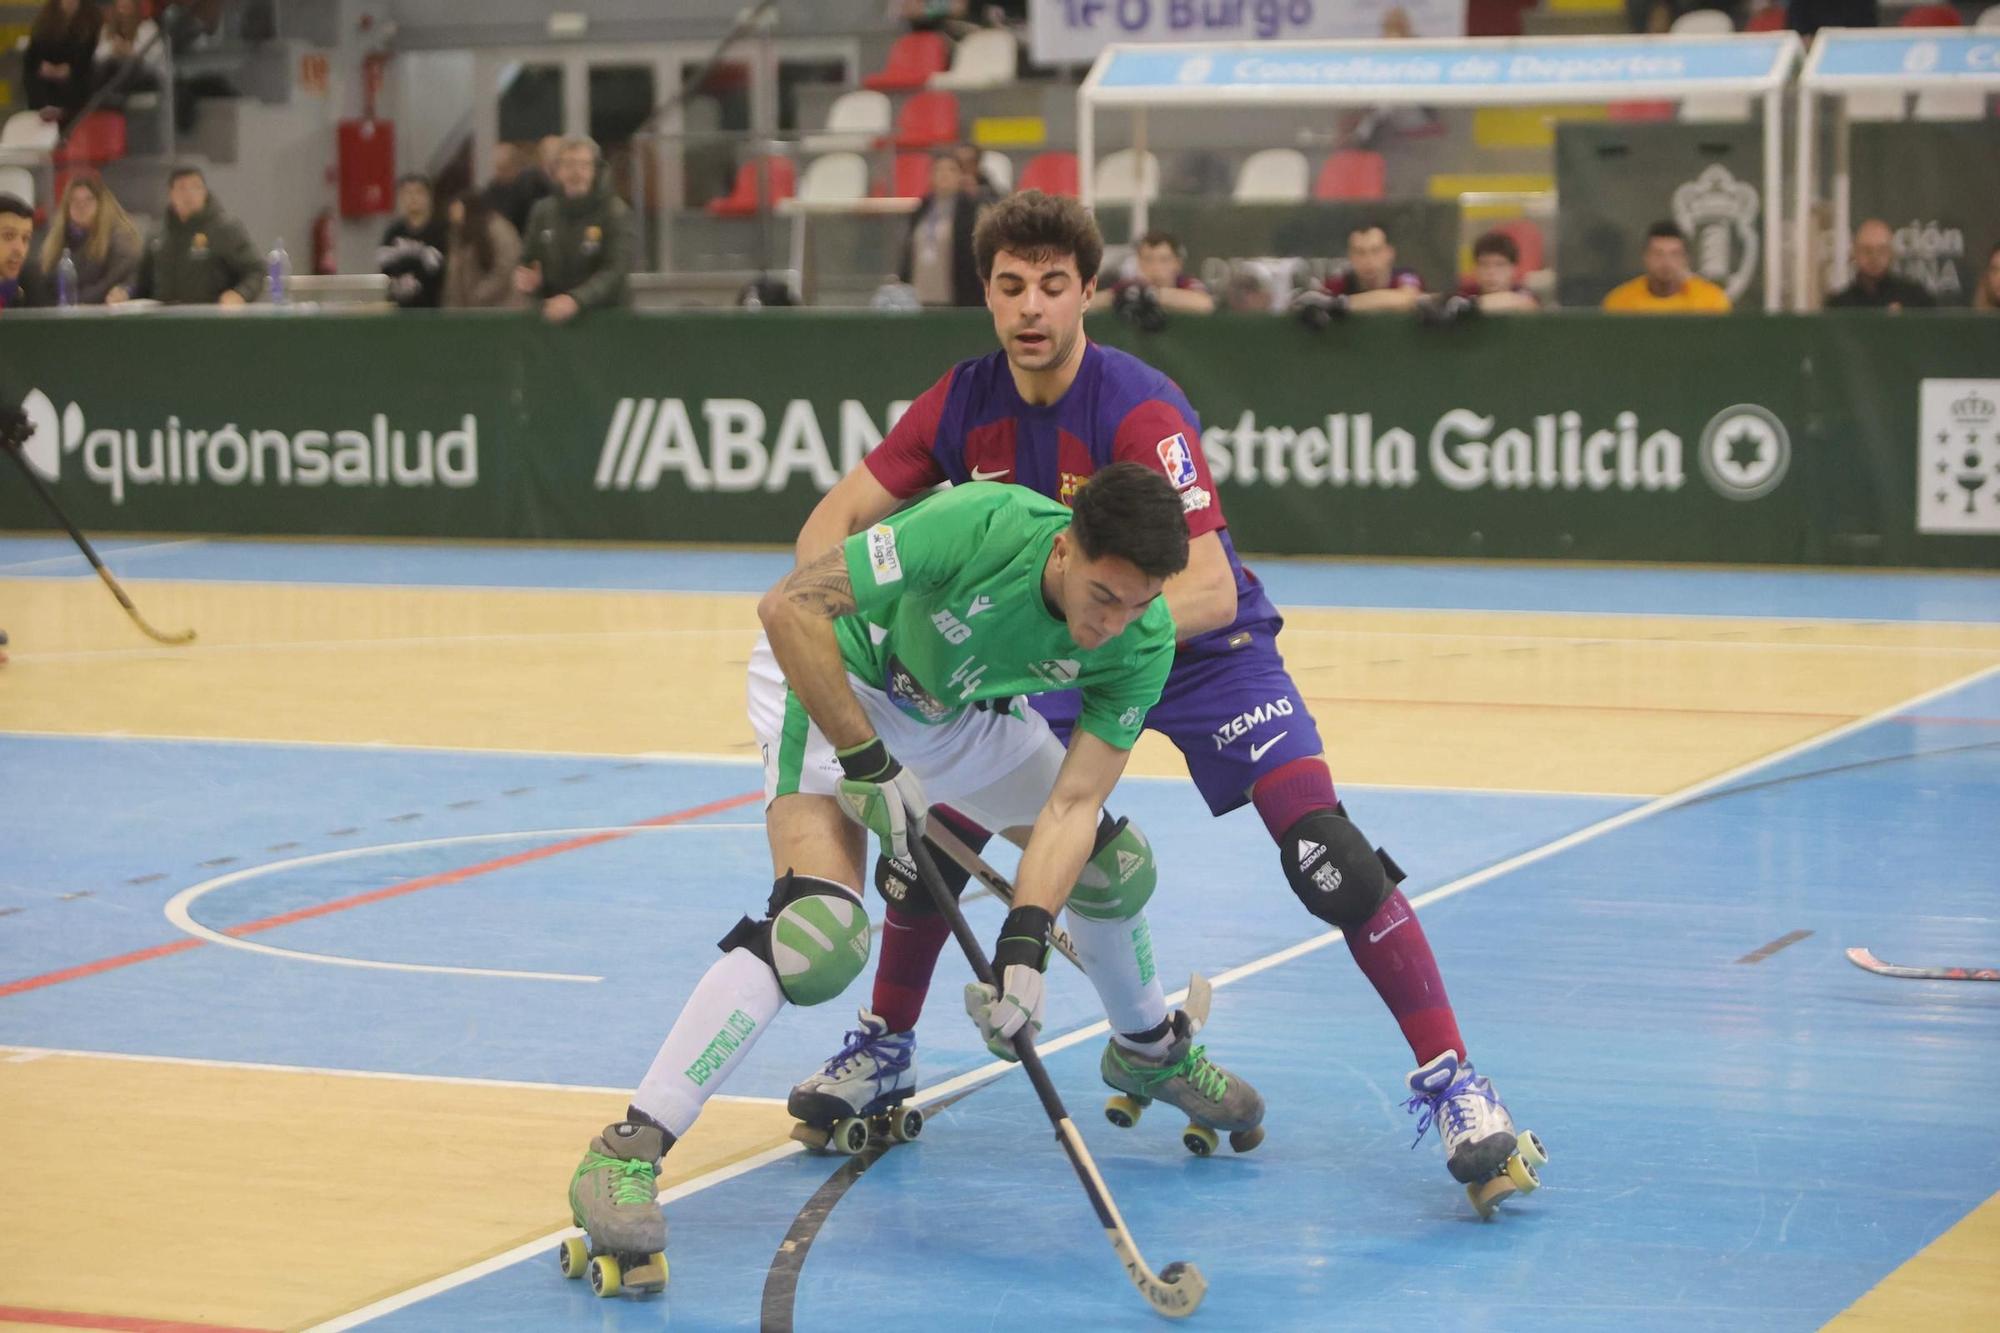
{"points": [[1120, 875], [896, 880], [1336, 874], [814, 935]]}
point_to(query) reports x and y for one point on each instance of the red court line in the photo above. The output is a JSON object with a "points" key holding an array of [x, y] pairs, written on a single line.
{"points": [[116, 1323], [373, 896]]}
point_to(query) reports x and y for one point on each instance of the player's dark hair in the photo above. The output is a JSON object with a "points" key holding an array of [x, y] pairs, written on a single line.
{"points": [[1039, 228], [415, 178], [15, 206], [1666, 231], [1497, 243], [1156, 237], [185, 169], [1134, 513]]}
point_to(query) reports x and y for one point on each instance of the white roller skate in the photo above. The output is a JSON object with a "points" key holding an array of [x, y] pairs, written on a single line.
{"points": [[1482, 1150], [861, 1093], [612, 1197], [1185, 1078]]}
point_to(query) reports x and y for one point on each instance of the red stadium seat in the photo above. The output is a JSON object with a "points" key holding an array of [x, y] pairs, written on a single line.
{"points": [[1527, 238], [1352, 173], [742, 201], [927, 120], [1051, 173], [1932, 16], [1639, 111], [912, 176], [98, 137], [912, 60], [1771, 18]]}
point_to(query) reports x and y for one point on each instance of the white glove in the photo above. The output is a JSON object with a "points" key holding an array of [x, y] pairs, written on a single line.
{"points": [[882, 796], [1000, 1016]]}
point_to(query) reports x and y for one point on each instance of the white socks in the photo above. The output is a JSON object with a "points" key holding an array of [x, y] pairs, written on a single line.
{"points": [[733, 1003]]}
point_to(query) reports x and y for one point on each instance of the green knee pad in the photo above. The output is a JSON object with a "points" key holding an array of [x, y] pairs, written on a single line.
{"points": [[819, 940], [1118, 878]]}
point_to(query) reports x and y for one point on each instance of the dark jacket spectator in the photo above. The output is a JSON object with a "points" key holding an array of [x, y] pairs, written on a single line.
{"points": [[1877, 285], [17, 225], [577, 253], [99, 238], [480, 261], [130, 50], [518, 184], [62, 43], [937, 257], [200, 255], [412, 253]]}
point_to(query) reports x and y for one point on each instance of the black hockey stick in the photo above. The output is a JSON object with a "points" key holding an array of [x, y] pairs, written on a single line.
{"points": [[992, 880], [15, 431], [1868, 962], [1177, 1290]]}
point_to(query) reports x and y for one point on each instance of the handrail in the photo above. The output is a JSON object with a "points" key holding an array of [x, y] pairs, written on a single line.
{"points": [[116, 84]]}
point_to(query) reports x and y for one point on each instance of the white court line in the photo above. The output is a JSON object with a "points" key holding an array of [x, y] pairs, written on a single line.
{"points": [[1659, 641], [275, 646], [179, 908], [1252, 968], [109, 556]]}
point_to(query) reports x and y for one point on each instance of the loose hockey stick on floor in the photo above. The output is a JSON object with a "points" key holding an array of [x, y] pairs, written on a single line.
{"points": [[1177, 1290], [1868, 962], [14, 435]]}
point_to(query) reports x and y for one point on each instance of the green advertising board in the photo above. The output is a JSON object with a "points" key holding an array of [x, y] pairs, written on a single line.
{"points": [[1784, 439]]}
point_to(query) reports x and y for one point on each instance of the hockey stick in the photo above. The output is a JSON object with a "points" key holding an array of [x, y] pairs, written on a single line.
{"points": [[1868, 962], [994, 882], [10, 445], [1177, 1290]]}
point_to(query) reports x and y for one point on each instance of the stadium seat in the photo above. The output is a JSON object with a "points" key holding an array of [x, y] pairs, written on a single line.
{"points": [[742, 201], [856, 122], [1051, 173], [1989, 19], [911, 62], [985, 59], [835, 176], [26, 129], [1703, 23], [1715, 109], [998, 169], [1125, 175], [1527, 238], [911, 178], [1639, 112], [19, 182], [1931, 16], [99, 137], [927, 120], [1272, 176], [1352, 173], [1771, 18]]}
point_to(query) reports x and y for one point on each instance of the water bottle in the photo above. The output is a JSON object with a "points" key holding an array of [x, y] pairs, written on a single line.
{"points": [[66, 283], [278, 268]]}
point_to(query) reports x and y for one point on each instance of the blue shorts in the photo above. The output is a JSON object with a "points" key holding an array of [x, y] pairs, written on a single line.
{"points": [[1229, 707]]}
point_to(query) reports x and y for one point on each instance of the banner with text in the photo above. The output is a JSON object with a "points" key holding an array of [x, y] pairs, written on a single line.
{"points": [[1074, 31]]}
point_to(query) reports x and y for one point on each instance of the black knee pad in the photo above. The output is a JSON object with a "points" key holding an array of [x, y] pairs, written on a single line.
{"points": [[1336, 874], [897, 880]]}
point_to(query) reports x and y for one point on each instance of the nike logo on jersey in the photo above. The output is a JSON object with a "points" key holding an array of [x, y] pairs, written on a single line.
{"points": [[1257, 751], [1376, 936], [981, 474]]}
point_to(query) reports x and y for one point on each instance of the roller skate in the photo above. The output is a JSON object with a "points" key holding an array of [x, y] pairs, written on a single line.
{"points": [[1184, 1077], [862, 1092], [1482, 1150], [612, 1197]]}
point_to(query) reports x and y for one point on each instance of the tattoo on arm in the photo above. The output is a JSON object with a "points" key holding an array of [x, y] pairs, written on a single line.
{"points": [[821, 588]]}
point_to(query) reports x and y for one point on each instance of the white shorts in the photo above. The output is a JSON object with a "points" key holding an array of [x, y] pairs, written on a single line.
{"points": [[995, 767]]}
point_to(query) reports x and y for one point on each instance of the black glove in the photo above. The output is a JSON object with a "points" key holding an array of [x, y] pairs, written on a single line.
{"points": [[1139, 304], [1316, 307], [1438, 311], [15, 429]]}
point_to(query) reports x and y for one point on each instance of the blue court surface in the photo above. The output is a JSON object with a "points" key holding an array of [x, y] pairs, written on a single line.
{"points": [[1740, 1137]]}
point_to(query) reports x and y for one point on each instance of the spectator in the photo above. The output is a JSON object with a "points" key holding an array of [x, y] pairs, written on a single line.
{"points": [[1371, 280], [1162, 277], [56, 65], [516, 186], [199, 255], [937, 250], [1496, 276], [1877, 285], [412, 252], [972, 176], [1987, 295], [1667, 286], [1248, 291], [484, 248], [130, 52], [17, 224], [578, 249], [100, 240]]}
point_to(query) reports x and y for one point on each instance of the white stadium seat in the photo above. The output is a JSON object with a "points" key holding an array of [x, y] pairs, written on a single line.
{"points": [[1123, 176], [835, 176], [19, 182], [853, 123], [1273, 176], [1703, 23], [26, 129], [998, 169], [984, 59]]}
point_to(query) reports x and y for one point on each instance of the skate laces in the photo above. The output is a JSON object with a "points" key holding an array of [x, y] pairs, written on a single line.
{"points": [[1204, 1076], [1450, 1110], [632, 1179], [863, 1041]]}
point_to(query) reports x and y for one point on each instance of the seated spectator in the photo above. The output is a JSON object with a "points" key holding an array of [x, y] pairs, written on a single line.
{"points": [[17, 224], [199, 255], [1496, 282], [937, 250], [972, 176], [577, 253], [516, 185], [1986, 296], [1371, 280], [131, 54], [1668, 286], [480, 259], [412, 253], [1877, 285], [1162, 277], [62, 42], [99, 239]]}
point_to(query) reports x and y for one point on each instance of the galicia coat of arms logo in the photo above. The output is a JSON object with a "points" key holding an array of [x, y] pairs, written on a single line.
{"points": [[1958, 457]]}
